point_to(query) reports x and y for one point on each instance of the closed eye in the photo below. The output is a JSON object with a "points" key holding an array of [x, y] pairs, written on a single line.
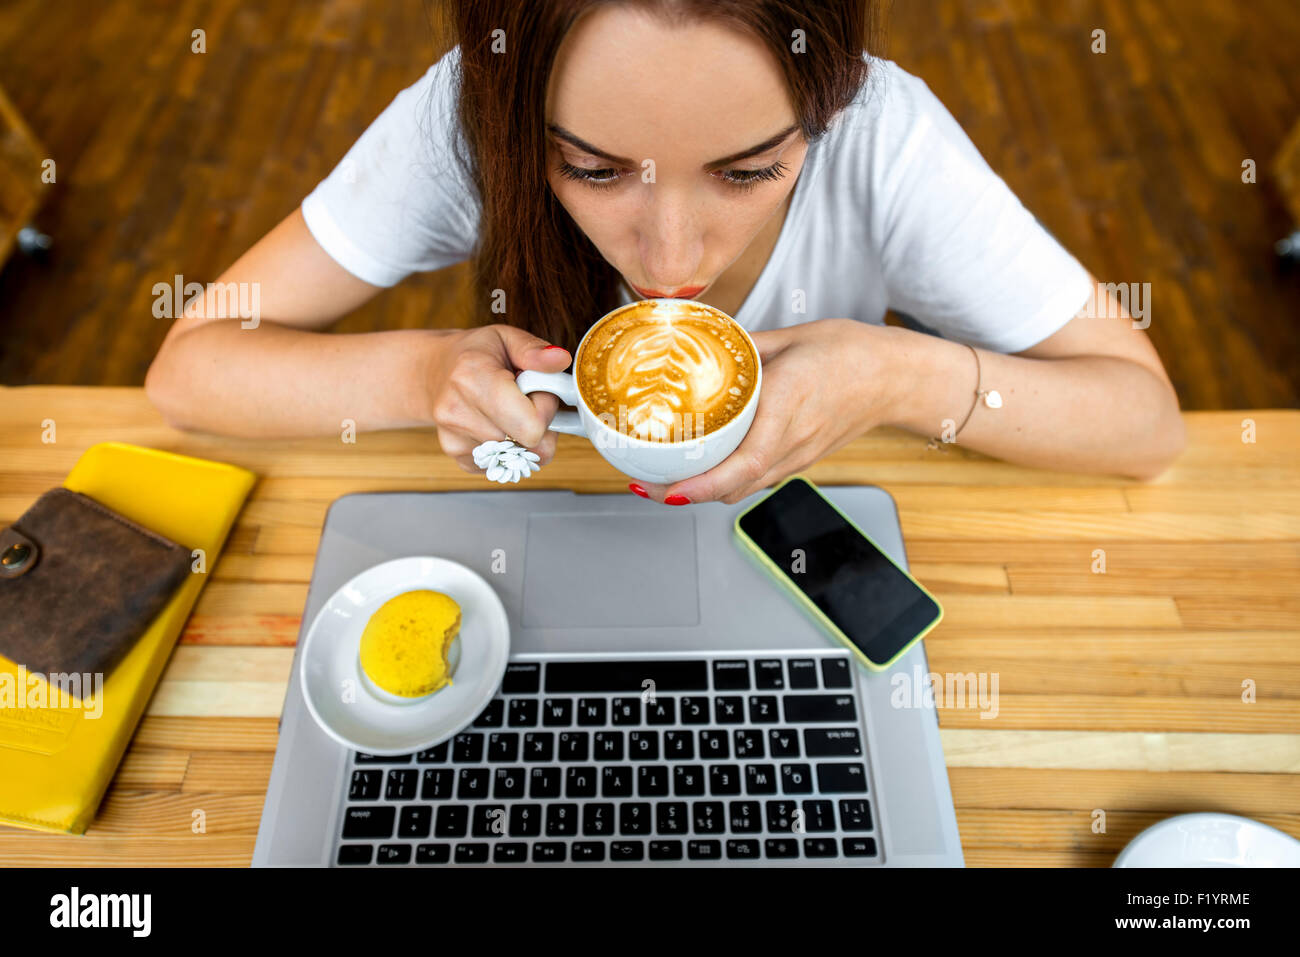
{"points": [[608, 177]]}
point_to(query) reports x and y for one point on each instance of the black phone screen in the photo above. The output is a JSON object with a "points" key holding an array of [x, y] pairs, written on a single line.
{"points": [[854, 584]]}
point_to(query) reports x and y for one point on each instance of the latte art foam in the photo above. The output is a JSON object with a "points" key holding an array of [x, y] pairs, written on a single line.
{"points": [[666, 372]]}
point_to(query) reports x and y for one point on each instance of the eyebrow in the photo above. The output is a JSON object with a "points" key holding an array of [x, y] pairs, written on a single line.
{"points": [[561, 133]]}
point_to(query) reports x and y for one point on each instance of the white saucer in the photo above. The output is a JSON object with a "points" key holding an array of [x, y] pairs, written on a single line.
{"points": [[361, 716], [1210, 840]]}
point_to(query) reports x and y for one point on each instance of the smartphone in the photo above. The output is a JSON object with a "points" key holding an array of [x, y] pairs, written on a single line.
{"points": [[837, 573]]}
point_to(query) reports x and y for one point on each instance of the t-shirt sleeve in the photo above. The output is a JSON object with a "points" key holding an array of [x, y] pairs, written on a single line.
{"points": [[959, 252], [399, 202]]}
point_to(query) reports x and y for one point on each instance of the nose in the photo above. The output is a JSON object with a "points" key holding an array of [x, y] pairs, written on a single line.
{"points": [[672, 242]]}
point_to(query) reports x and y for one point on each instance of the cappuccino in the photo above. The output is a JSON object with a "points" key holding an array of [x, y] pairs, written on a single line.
{"points": [[666, 370]]}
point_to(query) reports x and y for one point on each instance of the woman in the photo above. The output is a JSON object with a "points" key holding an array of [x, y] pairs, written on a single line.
{"points": [[746, 154]]}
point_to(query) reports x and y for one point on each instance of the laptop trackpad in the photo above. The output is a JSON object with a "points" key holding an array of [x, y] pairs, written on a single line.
{"points": [[612, 570]]}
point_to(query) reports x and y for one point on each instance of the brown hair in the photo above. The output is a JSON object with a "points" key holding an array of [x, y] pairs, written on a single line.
{"points": [[556, 282]]}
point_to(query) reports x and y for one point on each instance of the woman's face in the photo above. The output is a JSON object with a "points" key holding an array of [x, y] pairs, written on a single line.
{"points": [[651, 145]]}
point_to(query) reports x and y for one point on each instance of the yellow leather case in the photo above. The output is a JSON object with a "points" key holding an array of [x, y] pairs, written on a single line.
{"points": [[56, 761]]}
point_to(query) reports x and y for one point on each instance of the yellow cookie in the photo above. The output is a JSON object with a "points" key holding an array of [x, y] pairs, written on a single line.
{"points": [[404, 647]]}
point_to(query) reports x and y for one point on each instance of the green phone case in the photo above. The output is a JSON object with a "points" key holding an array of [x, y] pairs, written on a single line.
{"points": [[751, 549]]}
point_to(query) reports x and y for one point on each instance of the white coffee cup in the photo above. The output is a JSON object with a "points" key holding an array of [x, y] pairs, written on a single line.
{"points": [[659, 462]]}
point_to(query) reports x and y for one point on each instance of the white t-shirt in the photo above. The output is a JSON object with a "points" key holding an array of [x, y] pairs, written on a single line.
{"points": [[894, 208]]}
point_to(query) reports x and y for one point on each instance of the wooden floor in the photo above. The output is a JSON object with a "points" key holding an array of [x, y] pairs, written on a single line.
{"points": [[172, 162]]}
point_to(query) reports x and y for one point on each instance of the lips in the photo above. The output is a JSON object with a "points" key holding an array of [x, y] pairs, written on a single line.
{"points": [[684, 293]]}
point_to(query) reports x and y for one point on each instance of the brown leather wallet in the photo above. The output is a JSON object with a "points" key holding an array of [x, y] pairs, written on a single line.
{"points": [[79, 584]]}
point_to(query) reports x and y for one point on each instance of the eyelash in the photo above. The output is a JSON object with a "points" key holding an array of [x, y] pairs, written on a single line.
{"points": [[748, 178]]}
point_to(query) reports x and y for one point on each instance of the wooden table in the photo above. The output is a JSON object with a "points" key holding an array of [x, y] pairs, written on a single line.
{"points": [[1120, 692]]}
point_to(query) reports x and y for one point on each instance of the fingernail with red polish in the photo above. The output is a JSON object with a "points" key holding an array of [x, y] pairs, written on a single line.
{"points": [[561, 348], [638, 490], [677, 500]]}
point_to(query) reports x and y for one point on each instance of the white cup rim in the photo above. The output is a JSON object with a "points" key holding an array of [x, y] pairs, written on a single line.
{"points": [[633, 441]]}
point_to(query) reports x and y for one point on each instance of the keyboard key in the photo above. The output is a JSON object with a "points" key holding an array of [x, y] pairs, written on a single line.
{"points": [[819, 847], [763, 709], [401, 785], [781, 816], [714, 745], [467, 748], [393, 854], [749, 743], [355, 853], [779, 847], [493, 716], [573, 745], [832, 742], [783, 742], [363, 822], [859, 846], [729, 709], [742, 849], [652, 780], [383, 758], [661, 711], [731, 675], [625, 711], [472, 853], [503, 746], [574, 677], [818, 816], [434, 755], [643, 745], [539, 746], [841, 778], [626, 851], [588, 851], [679, 746], [525, 820], [607, 746], [591, 711], [544, 783], [704, 850], [436, 784], [855, 814], [695, 711], [557, 712], [489, 820], [803, 674], [836, 673], [415, 821], [522, 712], [665, 850], [433, 854], [760, 779], [616, 782], [746, 817], [819, 708], [579, 782], [365, 785], [561, 820], [634, 817], [548, 852], [796, 779], [522, 677], [472, 784], [724, 779], [510, 853], [769, 674], [453, 821], [688, 780], [671, 817], [598, 820], [708, 817]]}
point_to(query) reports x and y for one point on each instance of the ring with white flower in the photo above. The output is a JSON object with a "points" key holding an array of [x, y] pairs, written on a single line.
{"points": [[505, 460]]}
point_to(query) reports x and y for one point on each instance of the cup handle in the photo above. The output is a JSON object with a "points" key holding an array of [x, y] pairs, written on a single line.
{"points": [[559, 384]]}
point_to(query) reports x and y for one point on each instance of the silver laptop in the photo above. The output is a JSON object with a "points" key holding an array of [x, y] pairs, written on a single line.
{"points": [[765, 743]]}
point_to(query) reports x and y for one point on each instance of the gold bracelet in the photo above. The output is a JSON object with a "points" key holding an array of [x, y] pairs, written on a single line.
{"points": [[992, 398]]}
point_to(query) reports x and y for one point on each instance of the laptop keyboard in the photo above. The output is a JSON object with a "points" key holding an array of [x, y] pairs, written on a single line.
{"points": [[735, 759]]}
